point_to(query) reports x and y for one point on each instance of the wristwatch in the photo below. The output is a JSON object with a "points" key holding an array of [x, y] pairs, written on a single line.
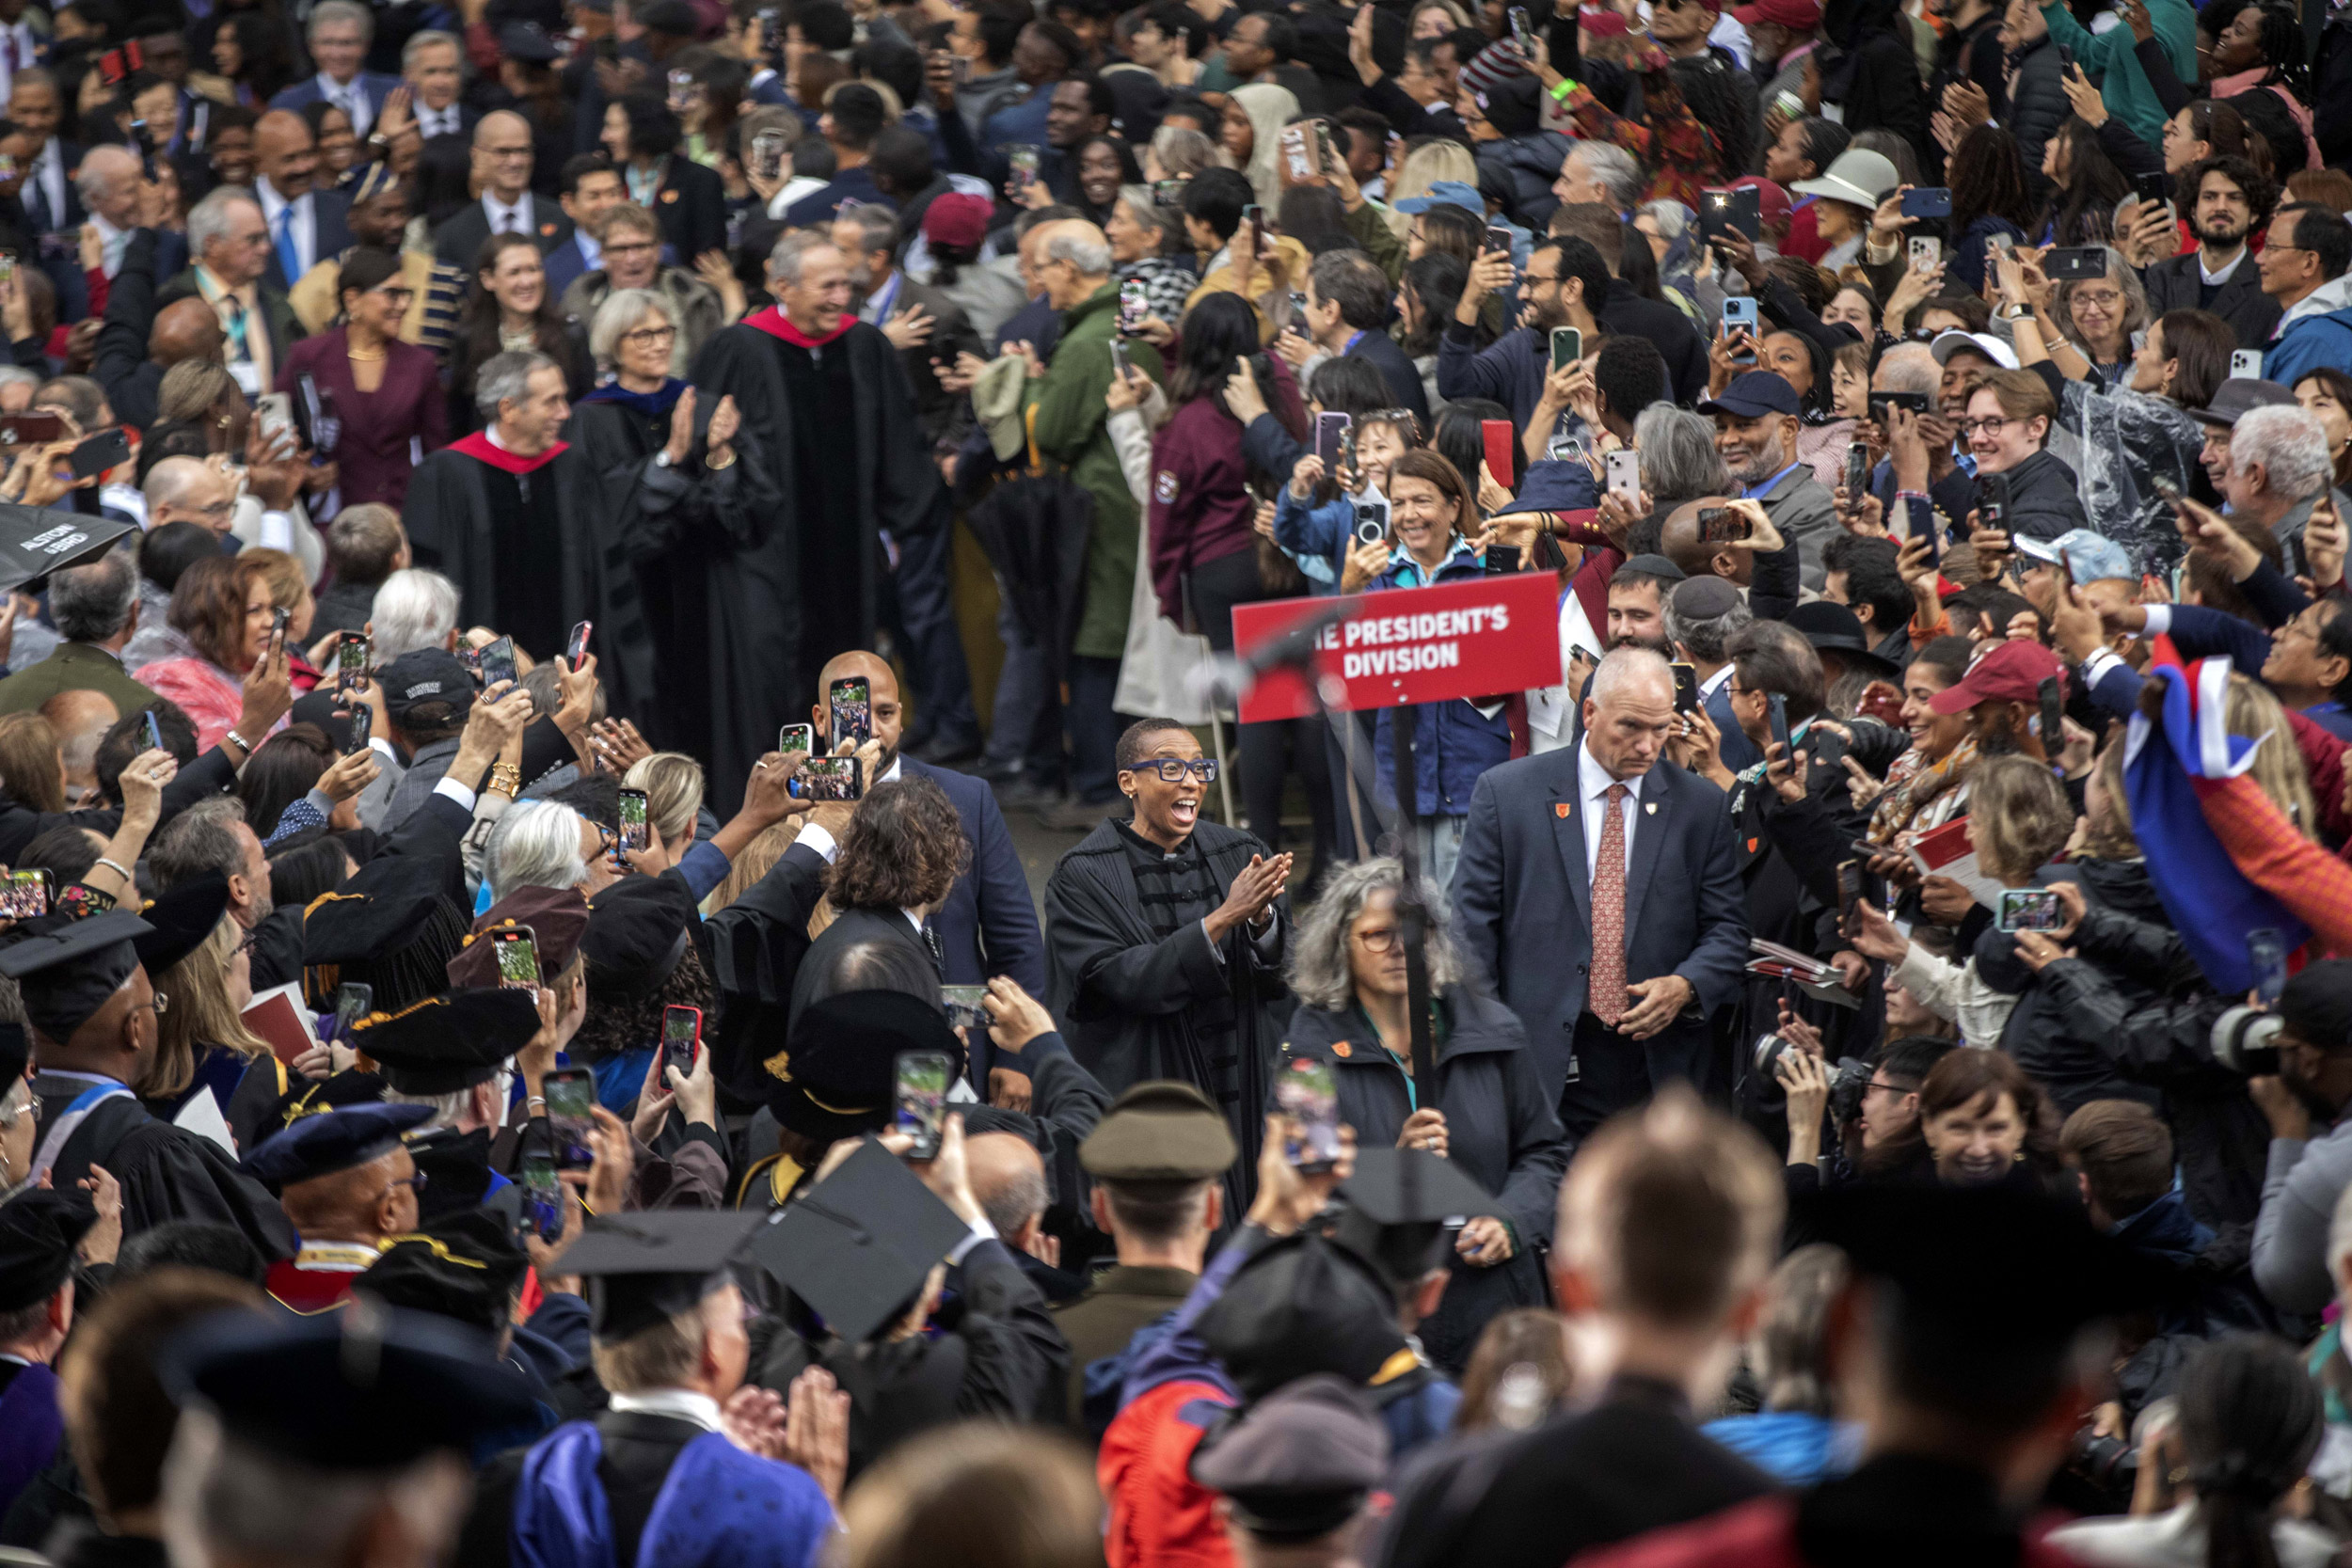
{"points": [[2017, 312], [661, 458]]}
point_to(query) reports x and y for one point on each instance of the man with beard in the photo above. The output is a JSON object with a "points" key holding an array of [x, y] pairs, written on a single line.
{"points": [[2310, 1137], [1637, 604], [1999, 693], [1564, 281], [834, 424], [1756, 429], [379, 217], [2226, 197]]}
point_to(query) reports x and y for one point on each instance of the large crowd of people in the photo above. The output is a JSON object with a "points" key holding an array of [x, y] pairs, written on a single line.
{"points": [[638, 923]]}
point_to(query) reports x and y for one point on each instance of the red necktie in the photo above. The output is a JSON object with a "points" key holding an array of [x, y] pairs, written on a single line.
{"points": [[1604, 997]]}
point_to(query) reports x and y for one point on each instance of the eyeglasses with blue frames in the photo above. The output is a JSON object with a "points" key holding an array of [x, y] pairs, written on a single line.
{"points": [[1172, 770]]}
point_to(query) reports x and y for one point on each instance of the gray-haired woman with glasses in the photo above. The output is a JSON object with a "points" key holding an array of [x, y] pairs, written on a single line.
{"points": [[1484, 1109]]}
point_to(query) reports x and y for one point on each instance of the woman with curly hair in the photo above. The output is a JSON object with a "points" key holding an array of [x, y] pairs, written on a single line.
{"points": [[900, 854], [1485, 1110]]}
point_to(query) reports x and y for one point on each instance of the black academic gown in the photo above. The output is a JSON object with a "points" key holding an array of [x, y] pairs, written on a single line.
{"points": [[757, 947], [459, 512], [166, 1174], [638, 1449], [686, 532], [998, 1356], [789, 627], [1125, 997]]}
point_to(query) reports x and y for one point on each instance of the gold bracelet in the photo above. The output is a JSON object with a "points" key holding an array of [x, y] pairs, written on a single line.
{"points": [[710, 467], [506, 779]]}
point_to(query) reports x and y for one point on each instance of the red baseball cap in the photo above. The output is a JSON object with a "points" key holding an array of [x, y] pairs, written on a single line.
{"points": [[2012, 673], [957, 219], [1801, 15], [1771, 202]]}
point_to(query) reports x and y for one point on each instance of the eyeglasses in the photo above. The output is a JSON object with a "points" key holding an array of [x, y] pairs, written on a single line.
{"points": [[632, 247], [414, 1183], [645, 337], [1990, 425], [1379, 940], [1173, 770], [160, 1005], [2104, 296], [1890, 1088]]}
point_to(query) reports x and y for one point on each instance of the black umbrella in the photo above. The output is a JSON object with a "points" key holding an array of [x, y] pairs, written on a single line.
{"points": [[36, 541]]}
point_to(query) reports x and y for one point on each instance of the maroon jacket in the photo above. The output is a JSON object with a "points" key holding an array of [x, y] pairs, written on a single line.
{"points": [[1201, 506]]}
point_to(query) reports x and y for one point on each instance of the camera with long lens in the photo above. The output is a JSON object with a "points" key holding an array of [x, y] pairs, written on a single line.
{"points": [[2246, 1040], [1848, 1082], [2108, 1465]]}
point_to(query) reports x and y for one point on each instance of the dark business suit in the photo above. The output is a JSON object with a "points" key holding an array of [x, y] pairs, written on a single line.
{"points": [[692, 203], [988, 925], [373, 88], [459, 238], [2177, 283], [849, 928], [1386, 356], [330, 225], [33, 219], [1524, 897], [564, 264], [1734, 746], [285, 328]]}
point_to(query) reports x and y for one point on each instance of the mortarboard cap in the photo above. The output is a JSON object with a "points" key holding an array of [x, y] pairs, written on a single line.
{"points": [[338, 1140], [36, 541], [464, 1266], [858, 1246], [644, 1267], [558, 918], [834, 1080], [1298, 1464], [1159, 1131], [1301, 1306], [366, 1389], [447, 1043], [456, 1168], [38, 1231], [183, 920], [67, 968], [16, 1054], [373, 913], [1931, 1243], [1398, 1203], [636, 936]]}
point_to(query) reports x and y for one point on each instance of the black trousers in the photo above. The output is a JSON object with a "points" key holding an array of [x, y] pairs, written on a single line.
{"points": [[1615, 1072], [1217, 586]]}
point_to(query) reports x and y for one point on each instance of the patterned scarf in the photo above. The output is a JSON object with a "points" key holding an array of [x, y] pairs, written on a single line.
{"points": [[1913, 785]]}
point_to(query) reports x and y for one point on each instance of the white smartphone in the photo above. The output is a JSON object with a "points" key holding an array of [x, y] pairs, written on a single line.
{"points": [[1623, 472], [2246, 364], [1925, 251]]}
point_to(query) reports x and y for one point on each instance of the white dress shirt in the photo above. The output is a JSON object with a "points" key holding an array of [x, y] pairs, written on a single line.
{"points": [[352, 98], [1592, 789], [48, 171], [306, 228], [19, 50], [591, 252], [437, 123], [2215, 280], [113, 241], [509, 220], [682, 1404]]}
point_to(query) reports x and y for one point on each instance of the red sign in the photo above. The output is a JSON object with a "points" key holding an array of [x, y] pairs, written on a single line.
{"points": [[1476, 638]]}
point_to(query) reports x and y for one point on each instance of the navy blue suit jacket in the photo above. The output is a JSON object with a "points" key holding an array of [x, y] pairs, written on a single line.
{"points": [[1396, 368], [564, 263], [1523, 900], [331, 221], [1737, 750], [373, 86], [988, 925]]}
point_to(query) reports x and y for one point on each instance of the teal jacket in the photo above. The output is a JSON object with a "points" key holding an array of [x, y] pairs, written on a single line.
{"points": [[2107, 58]]}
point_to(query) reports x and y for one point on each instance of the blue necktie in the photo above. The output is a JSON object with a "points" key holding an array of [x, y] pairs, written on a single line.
{"points": [[289, 260]]}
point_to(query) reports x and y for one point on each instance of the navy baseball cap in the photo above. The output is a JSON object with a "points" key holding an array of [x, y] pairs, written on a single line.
{"points": [[1754, 394]]}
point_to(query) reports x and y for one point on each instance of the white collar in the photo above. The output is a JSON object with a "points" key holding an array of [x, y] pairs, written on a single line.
{"points": [[1714, 683], [1592, 780], [272, 201], [520, 206], [681, 1403], [335, 90], [890, 775], [50, 155], [914, 918], [2211, 279]]}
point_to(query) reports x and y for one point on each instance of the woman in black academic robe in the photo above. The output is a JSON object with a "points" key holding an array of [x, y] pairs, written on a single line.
{"points": [[683, 504]]}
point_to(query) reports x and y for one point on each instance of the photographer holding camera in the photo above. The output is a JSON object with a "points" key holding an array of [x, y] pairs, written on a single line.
{"points": [[2310, 1137]]}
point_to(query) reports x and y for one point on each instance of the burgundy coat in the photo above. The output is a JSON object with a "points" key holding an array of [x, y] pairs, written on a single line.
{"points": [[386, 432]]}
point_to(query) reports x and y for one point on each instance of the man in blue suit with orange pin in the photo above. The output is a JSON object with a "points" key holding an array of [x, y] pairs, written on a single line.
{"points": [[988, 925], [1598, 884]]}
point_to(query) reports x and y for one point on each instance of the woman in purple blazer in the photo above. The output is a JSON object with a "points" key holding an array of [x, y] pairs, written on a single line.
{"points": [[385, 393]]}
